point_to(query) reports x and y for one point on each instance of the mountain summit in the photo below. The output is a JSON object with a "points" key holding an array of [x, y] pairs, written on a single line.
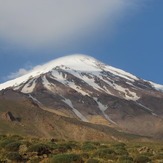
{"points": [[81, 87], [78, 62]]}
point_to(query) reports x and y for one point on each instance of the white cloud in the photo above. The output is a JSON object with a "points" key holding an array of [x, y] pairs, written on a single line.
{"points": [[20, 72], [40, 22]]}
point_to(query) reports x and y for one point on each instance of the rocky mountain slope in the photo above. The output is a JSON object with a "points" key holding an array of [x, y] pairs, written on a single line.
{"points": [[80, 87]]}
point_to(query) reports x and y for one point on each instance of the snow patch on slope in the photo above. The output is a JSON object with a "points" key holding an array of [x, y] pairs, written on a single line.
{"points": [[46, 83], [129, 95], [146, 108], [29, 87], [91, 81], [103, 108], [157, 86], [87, 77], [34, 99], [121, 73], [78, 114], [62, 78]]}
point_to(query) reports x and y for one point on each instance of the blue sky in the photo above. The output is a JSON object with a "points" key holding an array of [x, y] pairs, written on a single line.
{"points": [[122, 33]]}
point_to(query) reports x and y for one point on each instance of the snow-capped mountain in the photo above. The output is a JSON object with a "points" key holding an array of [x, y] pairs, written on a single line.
{"points": [[79, 66], [82, 87]]}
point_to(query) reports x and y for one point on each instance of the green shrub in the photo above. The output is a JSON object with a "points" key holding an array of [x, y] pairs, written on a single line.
{"points": [[104, 153], [3, 156], [38, 160], [51, 145], [58, 148], [110, 157], [66, 158], [53, 140], [2, 137], [96, 143], [14, 146], [16, 137], [138, 146], [119, 145], [91, 160], [121, 152], [39, 148], [102, 146], [14, 156], [125, 159], [119, 148], [72, 145], [88, 147], [5, 142], [27, 143], [141, 159], [158, 156], [91, 142], [62, 148], [87, 142], [148, 154], [85, 155]]}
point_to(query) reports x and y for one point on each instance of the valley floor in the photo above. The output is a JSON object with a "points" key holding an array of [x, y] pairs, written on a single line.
{"points": [[16, 148]]}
